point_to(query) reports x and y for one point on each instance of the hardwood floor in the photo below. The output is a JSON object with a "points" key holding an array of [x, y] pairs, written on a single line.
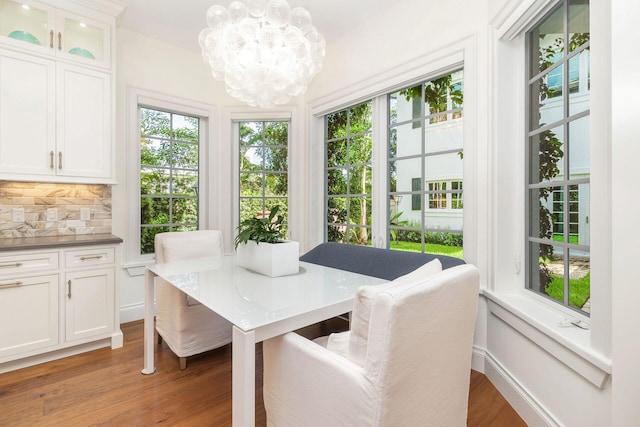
{"points": [[105, 388]]}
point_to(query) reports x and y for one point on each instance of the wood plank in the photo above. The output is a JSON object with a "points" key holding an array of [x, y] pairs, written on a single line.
{"points": [[105, 387]]}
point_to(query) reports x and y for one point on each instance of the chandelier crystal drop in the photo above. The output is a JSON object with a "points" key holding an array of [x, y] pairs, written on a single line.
{"points": [[264, 51]]}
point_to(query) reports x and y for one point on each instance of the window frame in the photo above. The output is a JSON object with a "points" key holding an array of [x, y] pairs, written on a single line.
{"points": [[172, 170], [230, 218], [208, 162], [348, 166], [435, 189], [262, 171], [562, 62], [530, 313]]}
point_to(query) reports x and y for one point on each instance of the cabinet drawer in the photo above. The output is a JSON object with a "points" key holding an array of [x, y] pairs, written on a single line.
{"points": [[88, 257], [11, 265]]}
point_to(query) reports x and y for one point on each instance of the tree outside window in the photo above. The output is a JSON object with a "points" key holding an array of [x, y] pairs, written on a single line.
{"points": [[263, 168], [169, 174], [349, 150]]}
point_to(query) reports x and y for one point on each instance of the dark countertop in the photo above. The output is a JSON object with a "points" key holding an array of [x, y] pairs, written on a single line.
{"points": [[24, 243]]}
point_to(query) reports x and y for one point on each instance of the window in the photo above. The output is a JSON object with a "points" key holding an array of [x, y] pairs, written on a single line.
{"points": [[445, 195], [425, 163], [263, 167], [437, 195], [169, 174], [348, 172], [558, 163]]}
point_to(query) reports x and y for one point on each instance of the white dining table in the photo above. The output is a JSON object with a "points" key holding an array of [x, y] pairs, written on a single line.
{"points": [[259, 307]]}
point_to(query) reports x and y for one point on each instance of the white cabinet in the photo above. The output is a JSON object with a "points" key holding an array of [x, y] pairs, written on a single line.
{"points": [[56, 92], [57, 302], [28, 314], [45, 30], [83, 142], [55, 119], [89, 293], [89, 303], [27, 125]]}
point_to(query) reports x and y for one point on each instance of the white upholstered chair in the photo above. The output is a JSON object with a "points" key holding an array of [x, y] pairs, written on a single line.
{"points": [[187, 326], [405, 362]]}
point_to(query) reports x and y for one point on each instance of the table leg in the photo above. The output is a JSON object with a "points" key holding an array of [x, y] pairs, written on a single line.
{"points": [[149, 342], [243, 370]]}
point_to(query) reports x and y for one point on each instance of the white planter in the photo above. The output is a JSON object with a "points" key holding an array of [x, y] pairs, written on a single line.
{"points": [[270, 259]]}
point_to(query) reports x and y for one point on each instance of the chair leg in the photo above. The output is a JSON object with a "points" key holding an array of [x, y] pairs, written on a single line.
{"points": [[183, 363]]}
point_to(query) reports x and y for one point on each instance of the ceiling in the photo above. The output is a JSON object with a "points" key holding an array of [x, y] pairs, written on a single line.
{"points": [[180, 22]]}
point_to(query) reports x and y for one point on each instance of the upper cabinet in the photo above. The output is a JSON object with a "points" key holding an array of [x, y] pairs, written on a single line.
{"points": [[40, 28], [57, 90]]}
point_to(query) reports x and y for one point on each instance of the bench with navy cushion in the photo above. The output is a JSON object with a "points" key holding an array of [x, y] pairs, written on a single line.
{"points": [[383, 263]]}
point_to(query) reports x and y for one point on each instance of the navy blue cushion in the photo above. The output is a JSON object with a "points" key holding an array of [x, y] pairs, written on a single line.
{"points": [[382, 263]]}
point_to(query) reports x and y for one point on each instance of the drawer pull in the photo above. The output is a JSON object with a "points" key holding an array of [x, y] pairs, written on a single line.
{"points": [[84, 258], [10, 285], [69, 294], [15, 264]]}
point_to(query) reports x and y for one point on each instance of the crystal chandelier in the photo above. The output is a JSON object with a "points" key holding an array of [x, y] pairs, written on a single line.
{"points": [[264, 51]]}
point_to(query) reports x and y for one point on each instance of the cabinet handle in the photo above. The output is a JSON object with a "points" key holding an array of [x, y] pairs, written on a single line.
{"points": [[10, 285], [51, 159], [59, 159], [15, 264], [84, 258], [59, 40], [51, 39], [69, 294]]}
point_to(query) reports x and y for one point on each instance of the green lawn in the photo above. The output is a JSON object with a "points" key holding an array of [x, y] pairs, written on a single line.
{"points": [[560, 238], [579, 290], [432, 248]]}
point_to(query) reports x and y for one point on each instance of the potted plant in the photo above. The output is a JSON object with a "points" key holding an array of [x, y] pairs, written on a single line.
{"points": [[261, 246]]}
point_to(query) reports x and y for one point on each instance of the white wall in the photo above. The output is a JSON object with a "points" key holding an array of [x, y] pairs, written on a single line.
{"points": [[145, 63], [551, 377], [625, 180], [547, 377]]}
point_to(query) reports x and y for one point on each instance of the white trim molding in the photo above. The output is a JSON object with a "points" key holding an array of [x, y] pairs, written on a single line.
{"points": [[527, 406], [546, 332], [135, 98]]}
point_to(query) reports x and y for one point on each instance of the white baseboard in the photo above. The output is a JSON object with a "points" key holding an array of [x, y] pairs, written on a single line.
{"points": [[131, 312], [53, 355], [478, 359], [529, 409]]}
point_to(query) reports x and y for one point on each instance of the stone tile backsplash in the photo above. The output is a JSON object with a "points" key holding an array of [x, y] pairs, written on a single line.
{"points": [[67, 200]]}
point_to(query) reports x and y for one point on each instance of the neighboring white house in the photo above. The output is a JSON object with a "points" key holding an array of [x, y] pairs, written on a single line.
{"points": [[442, 164]]}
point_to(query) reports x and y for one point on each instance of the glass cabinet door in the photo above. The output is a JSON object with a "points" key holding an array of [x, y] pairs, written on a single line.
{"points": [[26, 24], [83, 40], [32, 26]]}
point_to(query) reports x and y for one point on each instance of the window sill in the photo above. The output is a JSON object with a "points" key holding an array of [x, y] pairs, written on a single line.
{"points": [[571, 345]]}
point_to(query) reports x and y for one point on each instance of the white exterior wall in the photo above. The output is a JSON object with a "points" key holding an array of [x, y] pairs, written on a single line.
{"points": [[439, 137]]}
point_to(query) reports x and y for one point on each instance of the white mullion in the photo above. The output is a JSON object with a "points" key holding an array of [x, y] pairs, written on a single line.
{"points": [[379, 166]]}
